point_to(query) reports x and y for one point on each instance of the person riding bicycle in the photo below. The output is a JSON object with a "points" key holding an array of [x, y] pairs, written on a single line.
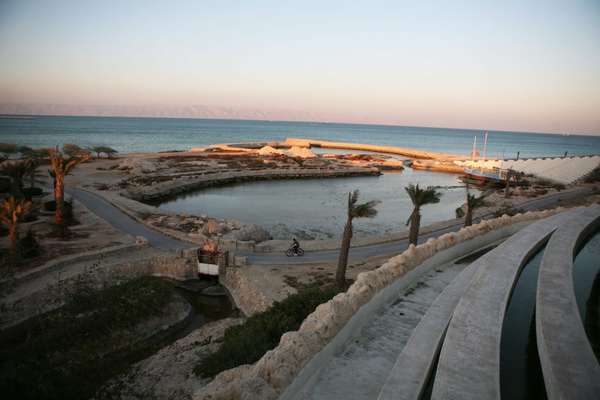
{"points": [[295, 245]]}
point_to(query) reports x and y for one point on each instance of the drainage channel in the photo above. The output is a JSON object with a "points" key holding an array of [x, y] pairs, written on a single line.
{"points": [[520, 371], [586, 282]]}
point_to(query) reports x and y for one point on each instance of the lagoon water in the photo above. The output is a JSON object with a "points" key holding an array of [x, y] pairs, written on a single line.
{"points": [[160, 134], [316, 208]]}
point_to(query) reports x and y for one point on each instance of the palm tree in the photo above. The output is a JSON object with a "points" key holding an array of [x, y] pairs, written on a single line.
{"points": [[61, 167], [473, 202], [419, 198], [362, 210], [31, 171], [11, 212]]}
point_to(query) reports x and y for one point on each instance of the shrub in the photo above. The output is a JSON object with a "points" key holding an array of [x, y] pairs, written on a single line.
{"points": [[593, 176], [508, 210], [247, 343], [459, 212], [29, 192], [72, 150], [109, 151], [68, 215], [29, 246]]}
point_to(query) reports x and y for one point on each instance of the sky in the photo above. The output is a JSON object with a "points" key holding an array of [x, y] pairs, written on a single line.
{"points": [[502, 65]]}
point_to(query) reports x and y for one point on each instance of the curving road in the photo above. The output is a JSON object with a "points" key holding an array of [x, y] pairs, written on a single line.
{"points": [[125, 223]]}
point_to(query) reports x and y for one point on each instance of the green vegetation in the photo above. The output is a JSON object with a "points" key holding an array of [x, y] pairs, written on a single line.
{"points": [[103, 149], [508, 210], [67, 353], [72, 150], [593, 176], [247, 343], [12, 211], [29, 246], [473, 202], [363, 210]]}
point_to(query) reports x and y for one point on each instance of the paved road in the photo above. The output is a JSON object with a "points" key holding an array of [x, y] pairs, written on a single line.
{"points": [[124, 222], [396, 247]]}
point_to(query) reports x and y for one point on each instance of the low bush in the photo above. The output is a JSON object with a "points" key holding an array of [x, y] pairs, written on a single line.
{"points": [[67, 353], [68, 210], [29, 246], [29, 192], [593, 176], [508, 210], [247, 343], [459, 212]]}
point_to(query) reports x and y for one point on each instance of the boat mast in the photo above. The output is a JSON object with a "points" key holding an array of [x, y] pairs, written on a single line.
{"points": [[485, 146], [474, 147]]}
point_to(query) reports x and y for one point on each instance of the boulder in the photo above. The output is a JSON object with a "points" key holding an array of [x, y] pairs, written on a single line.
{"points": [[212, 227], [252, 232], [269, 151], [137, 165], [301, 152]]}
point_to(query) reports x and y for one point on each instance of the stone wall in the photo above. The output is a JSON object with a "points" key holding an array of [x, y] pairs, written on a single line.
{"points": [[269, 377], [247, 297]]}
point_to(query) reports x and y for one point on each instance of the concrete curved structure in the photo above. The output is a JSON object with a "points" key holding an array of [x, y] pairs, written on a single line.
{"points": [[569, 366], [469, 364]]}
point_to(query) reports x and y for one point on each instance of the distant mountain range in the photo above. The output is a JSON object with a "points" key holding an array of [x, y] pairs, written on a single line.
{"points": [[189, 111]]}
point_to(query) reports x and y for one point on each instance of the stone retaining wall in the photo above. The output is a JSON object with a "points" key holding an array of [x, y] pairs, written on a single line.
{"points": [[247, 297], [269, 377], [161, 191]]}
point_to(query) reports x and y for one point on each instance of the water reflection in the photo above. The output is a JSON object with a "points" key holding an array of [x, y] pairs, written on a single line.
{"points": [[315, 208]]}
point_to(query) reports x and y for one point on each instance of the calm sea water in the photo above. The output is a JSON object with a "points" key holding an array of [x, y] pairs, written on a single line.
{"points": [[159, 134], [315, 208]]}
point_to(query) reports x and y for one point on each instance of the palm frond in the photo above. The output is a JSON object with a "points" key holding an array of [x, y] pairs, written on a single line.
{"points": [[420, 197], [474, 202], [365, 210]]}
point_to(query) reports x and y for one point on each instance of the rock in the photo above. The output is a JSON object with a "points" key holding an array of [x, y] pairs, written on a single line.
{"points": [[137, 165], [269, 151], [283, 232], [301, 152], [252, 232], [212, 227]]}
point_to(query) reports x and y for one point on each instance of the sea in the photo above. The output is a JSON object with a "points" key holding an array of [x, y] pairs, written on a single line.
{"points": [[128, 134]]}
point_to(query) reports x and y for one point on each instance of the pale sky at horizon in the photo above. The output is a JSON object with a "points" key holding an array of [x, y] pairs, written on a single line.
{"points": [[510, 65]]}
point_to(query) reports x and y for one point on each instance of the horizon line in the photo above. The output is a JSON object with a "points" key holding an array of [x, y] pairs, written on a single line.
{"points": [[482, 130]]}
